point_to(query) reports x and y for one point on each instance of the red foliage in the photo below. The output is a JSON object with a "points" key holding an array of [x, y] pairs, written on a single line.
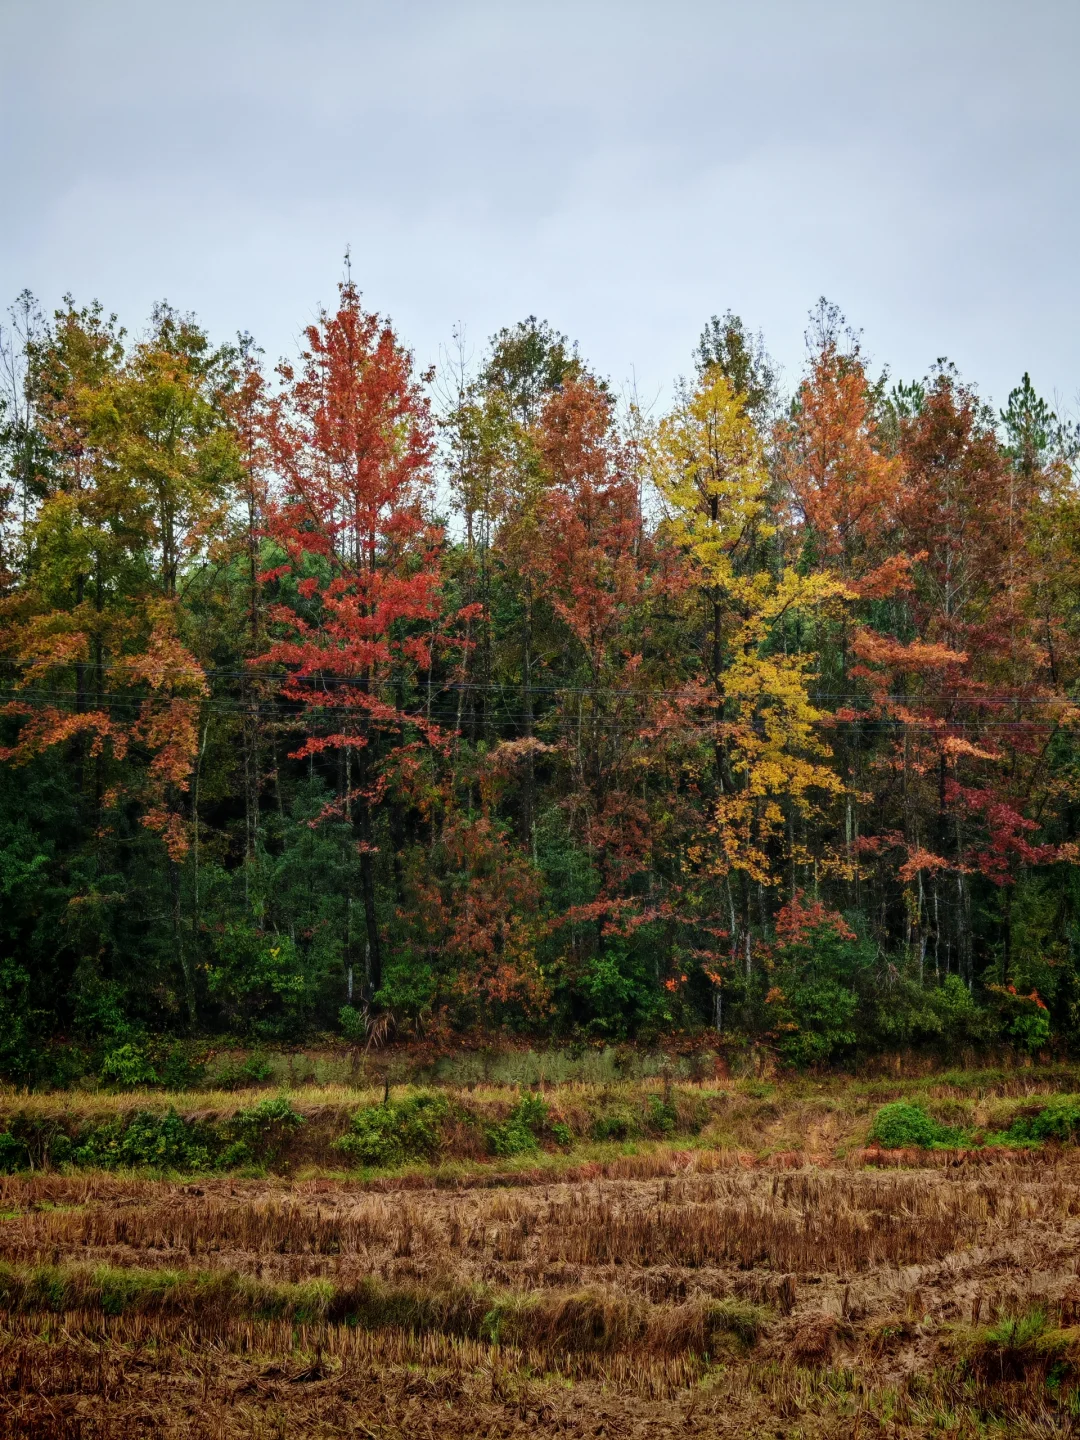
{"points": [[796, 919], [350, 439]]}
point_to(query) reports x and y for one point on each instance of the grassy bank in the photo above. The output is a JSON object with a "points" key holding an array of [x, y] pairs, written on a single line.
{"points": [[476, 1129]]}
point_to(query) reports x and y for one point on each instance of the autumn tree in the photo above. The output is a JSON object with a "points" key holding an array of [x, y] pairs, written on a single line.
{"points": [[358, 617], [597, 567], [769, 760]]}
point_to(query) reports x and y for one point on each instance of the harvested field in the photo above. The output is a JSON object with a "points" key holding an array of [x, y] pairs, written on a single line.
{"points": [[673, 1291]]}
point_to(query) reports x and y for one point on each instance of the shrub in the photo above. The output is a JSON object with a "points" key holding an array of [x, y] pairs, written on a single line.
{"points": [[390, 1134], [821, 970], [614, 1125], [1057, 1121], [901, 1126], [908, 1012], [516, 1135], [179, 1072], [263, 983], [660, 1116], [128, 1067], [353, 1024], [1031, 1030], [13, 1153], [618, 993], [255, 1070], [259, 1132], [1024, 1018], [163, 1142]]}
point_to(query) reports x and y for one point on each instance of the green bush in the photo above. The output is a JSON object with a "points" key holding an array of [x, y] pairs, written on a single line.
{"points": [[614, 1125], [1058, 1121], [239, 1075], [162, 1142], [815, 1002], [1031, 1031], [902, 1126], [353, 1025], [259, 1132], [13, 1153], [179, 1071], [517, 1134], [128, 1067], [264, 984], [660, 1116], [618, 995], [391, 1134], [945, 1015]]}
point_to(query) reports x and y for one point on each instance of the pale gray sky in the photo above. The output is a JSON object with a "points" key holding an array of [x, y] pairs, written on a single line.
{"points": [[624, 169]]}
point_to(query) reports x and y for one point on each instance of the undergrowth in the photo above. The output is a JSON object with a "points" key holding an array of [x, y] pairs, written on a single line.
{"points": [[147, 1139]]}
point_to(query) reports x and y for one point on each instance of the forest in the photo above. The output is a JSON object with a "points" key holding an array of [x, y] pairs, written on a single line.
{"points": [[343, 698]]}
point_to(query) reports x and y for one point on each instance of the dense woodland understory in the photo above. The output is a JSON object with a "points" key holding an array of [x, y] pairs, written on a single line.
{"points": [[339, 697]]}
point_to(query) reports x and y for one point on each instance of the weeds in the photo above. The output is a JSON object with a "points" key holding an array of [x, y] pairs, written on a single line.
{"points": [[1059, 1121], [517, 1134], [387, 1134], [160, 1142], [902, 1126], [671, 1291]]}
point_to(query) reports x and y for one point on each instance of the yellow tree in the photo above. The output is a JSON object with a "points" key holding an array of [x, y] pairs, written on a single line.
{"points": [[135, 475], [769, 761]]}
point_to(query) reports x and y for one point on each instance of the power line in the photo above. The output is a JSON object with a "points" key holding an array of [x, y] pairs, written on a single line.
{"points": [[273, 709], [445, 686]]}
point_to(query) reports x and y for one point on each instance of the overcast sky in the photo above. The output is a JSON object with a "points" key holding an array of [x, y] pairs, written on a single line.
{"points": [[623, 169]]}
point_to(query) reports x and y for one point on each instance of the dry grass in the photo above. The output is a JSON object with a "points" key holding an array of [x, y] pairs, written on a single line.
{"points": [[783, 1122], [766, 1288]]}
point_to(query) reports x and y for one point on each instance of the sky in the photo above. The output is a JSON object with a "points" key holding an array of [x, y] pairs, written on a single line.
{"points": [[622, 169]]}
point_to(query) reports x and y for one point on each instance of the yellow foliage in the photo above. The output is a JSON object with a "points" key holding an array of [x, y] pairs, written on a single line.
{"points": [[710, 469]]}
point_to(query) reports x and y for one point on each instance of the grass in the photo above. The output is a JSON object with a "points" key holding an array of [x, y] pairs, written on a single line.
{"points": [[443, 1135], [658, 1284], [550, 1322]]}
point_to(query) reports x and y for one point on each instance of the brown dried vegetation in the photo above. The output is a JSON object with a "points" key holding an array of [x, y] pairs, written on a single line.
{"points": [[664, 1293]]}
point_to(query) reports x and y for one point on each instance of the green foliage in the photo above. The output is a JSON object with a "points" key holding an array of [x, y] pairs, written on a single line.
{"points": [[179, 1071], [239, 1075], [517, 1134], [1024, 1018], [902, 1125], [146, 1139], [13, 1153], [660, 1116], [259, 1132], [819, 980], [615, 1124], [409, 984], [261, 981], [1058, 1121], [352, 1024], [391, 1134], [1031, 1030], [128, 1067], [618, 995], [944, 1015]]}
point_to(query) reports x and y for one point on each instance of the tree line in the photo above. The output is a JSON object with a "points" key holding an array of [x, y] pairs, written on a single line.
{"points": [[343, 697]]}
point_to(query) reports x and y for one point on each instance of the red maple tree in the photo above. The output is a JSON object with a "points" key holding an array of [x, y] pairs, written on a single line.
{"points": [[359, 614]]}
